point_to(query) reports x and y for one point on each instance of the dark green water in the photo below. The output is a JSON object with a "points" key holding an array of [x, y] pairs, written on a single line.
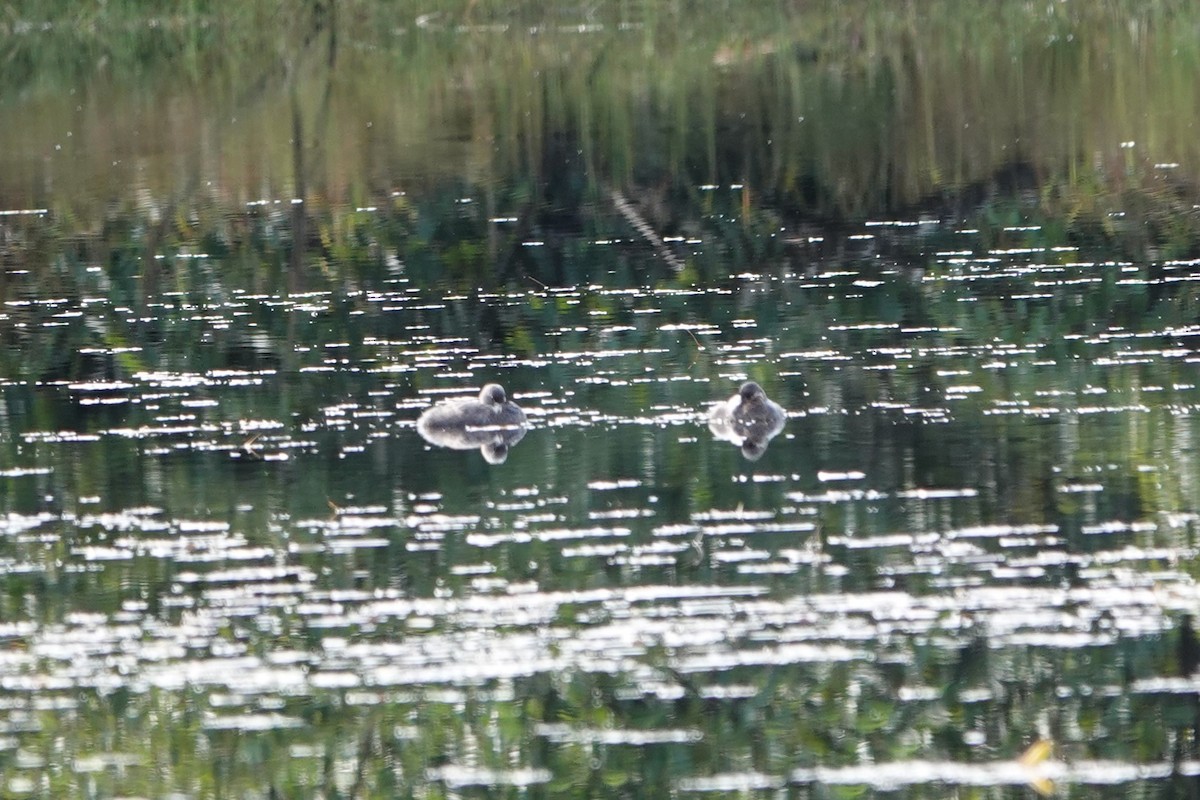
{"points": [[239, 256]]}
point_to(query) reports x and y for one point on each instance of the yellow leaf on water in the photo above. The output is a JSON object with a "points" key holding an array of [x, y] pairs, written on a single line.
{"points": [[1038, 752], [1043, 786], [1034, 755]]}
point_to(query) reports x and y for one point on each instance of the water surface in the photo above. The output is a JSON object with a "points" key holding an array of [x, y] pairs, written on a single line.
{"points": [[233, 279]]}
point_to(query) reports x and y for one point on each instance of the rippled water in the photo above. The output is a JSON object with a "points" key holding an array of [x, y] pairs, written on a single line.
{"points": [[231, 567], [958, 543]]}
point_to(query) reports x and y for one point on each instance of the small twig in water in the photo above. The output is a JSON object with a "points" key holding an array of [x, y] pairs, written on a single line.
{"points": [[639, 223], [249, 448]]}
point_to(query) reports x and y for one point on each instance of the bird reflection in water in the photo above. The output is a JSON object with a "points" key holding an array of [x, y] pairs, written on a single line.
{"points": [[749, 420], [490, 423]]}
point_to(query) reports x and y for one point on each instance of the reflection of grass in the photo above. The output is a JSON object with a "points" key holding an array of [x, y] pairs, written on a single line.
{"points": [[818, 110]]}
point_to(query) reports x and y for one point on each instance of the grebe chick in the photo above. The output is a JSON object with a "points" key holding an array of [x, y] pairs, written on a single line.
{"points": [[490, 423], [749, 419]]}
